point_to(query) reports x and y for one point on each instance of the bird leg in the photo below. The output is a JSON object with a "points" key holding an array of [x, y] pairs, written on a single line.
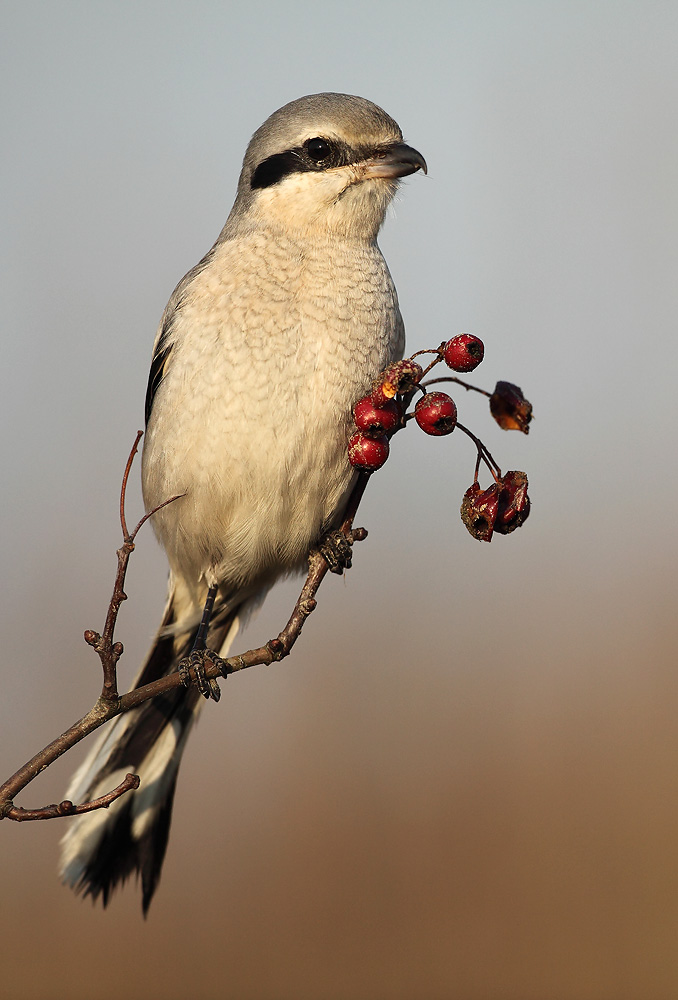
{"points": [[336, 547], [195, 661]]}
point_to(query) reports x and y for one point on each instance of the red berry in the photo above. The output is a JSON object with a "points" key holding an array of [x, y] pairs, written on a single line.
{"points": [[464, 353], [368, 453], [378, 396], [436, 413], [376, 420]]}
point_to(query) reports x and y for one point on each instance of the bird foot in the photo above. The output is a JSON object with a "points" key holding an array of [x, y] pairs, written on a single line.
{"points": [[337, 550], [195, 661]]}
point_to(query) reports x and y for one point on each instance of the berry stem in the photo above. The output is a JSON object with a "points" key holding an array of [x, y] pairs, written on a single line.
{"points": [[483, 453], [477, 468], [429, 350], [451, 378], [438, 351]]}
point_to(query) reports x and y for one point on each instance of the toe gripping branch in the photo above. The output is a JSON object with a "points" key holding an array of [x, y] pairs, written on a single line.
{"points": [[192, 667], [336, 549]]}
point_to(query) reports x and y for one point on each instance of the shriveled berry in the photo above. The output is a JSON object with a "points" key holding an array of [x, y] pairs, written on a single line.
{"points": [[509, 407], [401, 376], [464, 352], [436, 413], [367, 453], [376, 420], [514, 503], [479, 510]]}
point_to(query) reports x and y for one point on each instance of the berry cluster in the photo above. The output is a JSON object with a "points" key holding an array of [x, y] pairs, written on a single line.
{"points": [[504, 505]]}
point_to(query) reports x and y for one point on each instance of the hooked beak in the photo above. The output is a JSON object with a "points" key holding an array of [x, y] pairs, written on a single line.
{"points": [[397, 160]]}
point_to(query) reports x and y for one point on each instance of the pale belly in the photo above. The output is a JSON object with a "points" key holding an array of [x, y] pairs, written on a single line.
{"points": [[252, 418]]}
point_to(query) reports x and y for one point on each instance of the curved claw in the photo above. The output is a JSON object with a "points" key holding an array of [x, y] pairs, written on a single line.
{"points": [[195, 662], [337, 551]]}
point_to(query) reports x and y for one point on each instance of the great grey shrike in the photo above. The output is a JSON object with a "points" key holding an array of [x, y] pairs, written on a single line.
{"points": [[261, 353]]}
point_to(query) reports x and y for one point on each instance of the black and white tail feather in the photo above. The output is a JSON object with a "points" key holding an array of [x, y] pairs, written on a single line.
{"points": [[104, 847]]}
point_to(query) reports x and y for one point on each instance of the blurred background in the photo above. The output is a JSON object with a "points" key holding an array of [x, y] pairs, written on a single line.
{"points": [[464, 782]]}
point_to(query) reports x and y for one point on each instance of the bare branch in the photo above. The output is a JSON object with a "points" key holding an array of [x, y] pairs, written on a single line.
{"points": [[123, 488], [109, 651], [66, 808], [96, 717], [142, 522]]}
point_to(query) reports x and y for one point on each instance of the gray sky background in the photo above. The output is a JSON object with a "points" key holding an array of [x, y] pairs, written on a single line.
{"points": [[464, 783]]}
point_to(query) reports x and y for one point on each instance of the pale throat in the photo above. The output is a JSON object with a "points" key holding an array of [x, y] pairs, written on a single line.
{"points": [[333, 201]]}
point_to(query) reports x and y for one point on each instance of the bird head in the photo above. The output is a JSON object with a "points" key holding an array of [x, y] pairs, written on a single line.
{"points": [[323, 164]]}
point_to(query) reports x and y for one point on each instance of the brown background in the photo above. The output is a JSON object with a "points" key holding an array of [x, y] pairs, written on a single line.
{"points": [[463, 784]]}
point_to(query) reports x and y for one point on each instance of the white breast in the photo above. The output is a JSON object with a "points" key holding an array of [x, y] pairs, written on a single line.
{"points": [[274, 342]]}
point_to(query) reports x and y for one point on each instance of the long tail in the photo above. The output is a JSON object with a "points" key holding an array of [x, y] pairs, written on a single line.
{"points": [[102, 848]]}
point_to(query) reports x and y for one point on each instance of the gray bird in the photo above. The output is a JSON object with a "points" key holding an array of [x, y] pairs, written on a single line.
{"points": [[261, 353]]}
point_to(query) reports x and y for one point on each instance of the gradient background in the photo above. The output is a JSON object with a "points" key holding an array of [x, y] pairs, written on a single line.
{"points": [[464, 783]]}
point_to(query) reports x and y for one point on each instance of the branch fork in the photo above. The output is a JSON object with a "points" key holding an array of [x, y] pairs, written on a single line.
{"points": [[111, 704]]}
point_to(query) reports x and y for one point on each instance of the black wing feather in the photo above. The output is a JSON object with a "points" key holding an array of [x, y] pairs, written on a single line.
{"points": [[156, 375]]}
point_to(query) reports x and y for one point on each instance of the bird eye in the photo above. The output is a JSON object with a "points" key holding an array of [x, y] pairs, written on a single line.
{"points": [[318, 149]]}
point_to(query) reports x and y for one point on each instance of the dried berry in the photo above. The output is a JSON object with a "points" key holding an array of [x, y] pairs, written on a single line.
{"points": [[514, 503], [479, 510], [436, 413], [464, 352], [376, 420], [367, 453], [401, 376], [503, 507], [509, 407]]}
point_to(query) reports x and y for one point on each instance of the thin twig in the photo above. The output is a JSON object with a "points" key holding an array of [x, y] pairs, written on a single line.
{"points": [[452, 378], [96, 717], [67, 808], [483, 452], [150, 513], [109, 651], [123, 488], [438, 351]]}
